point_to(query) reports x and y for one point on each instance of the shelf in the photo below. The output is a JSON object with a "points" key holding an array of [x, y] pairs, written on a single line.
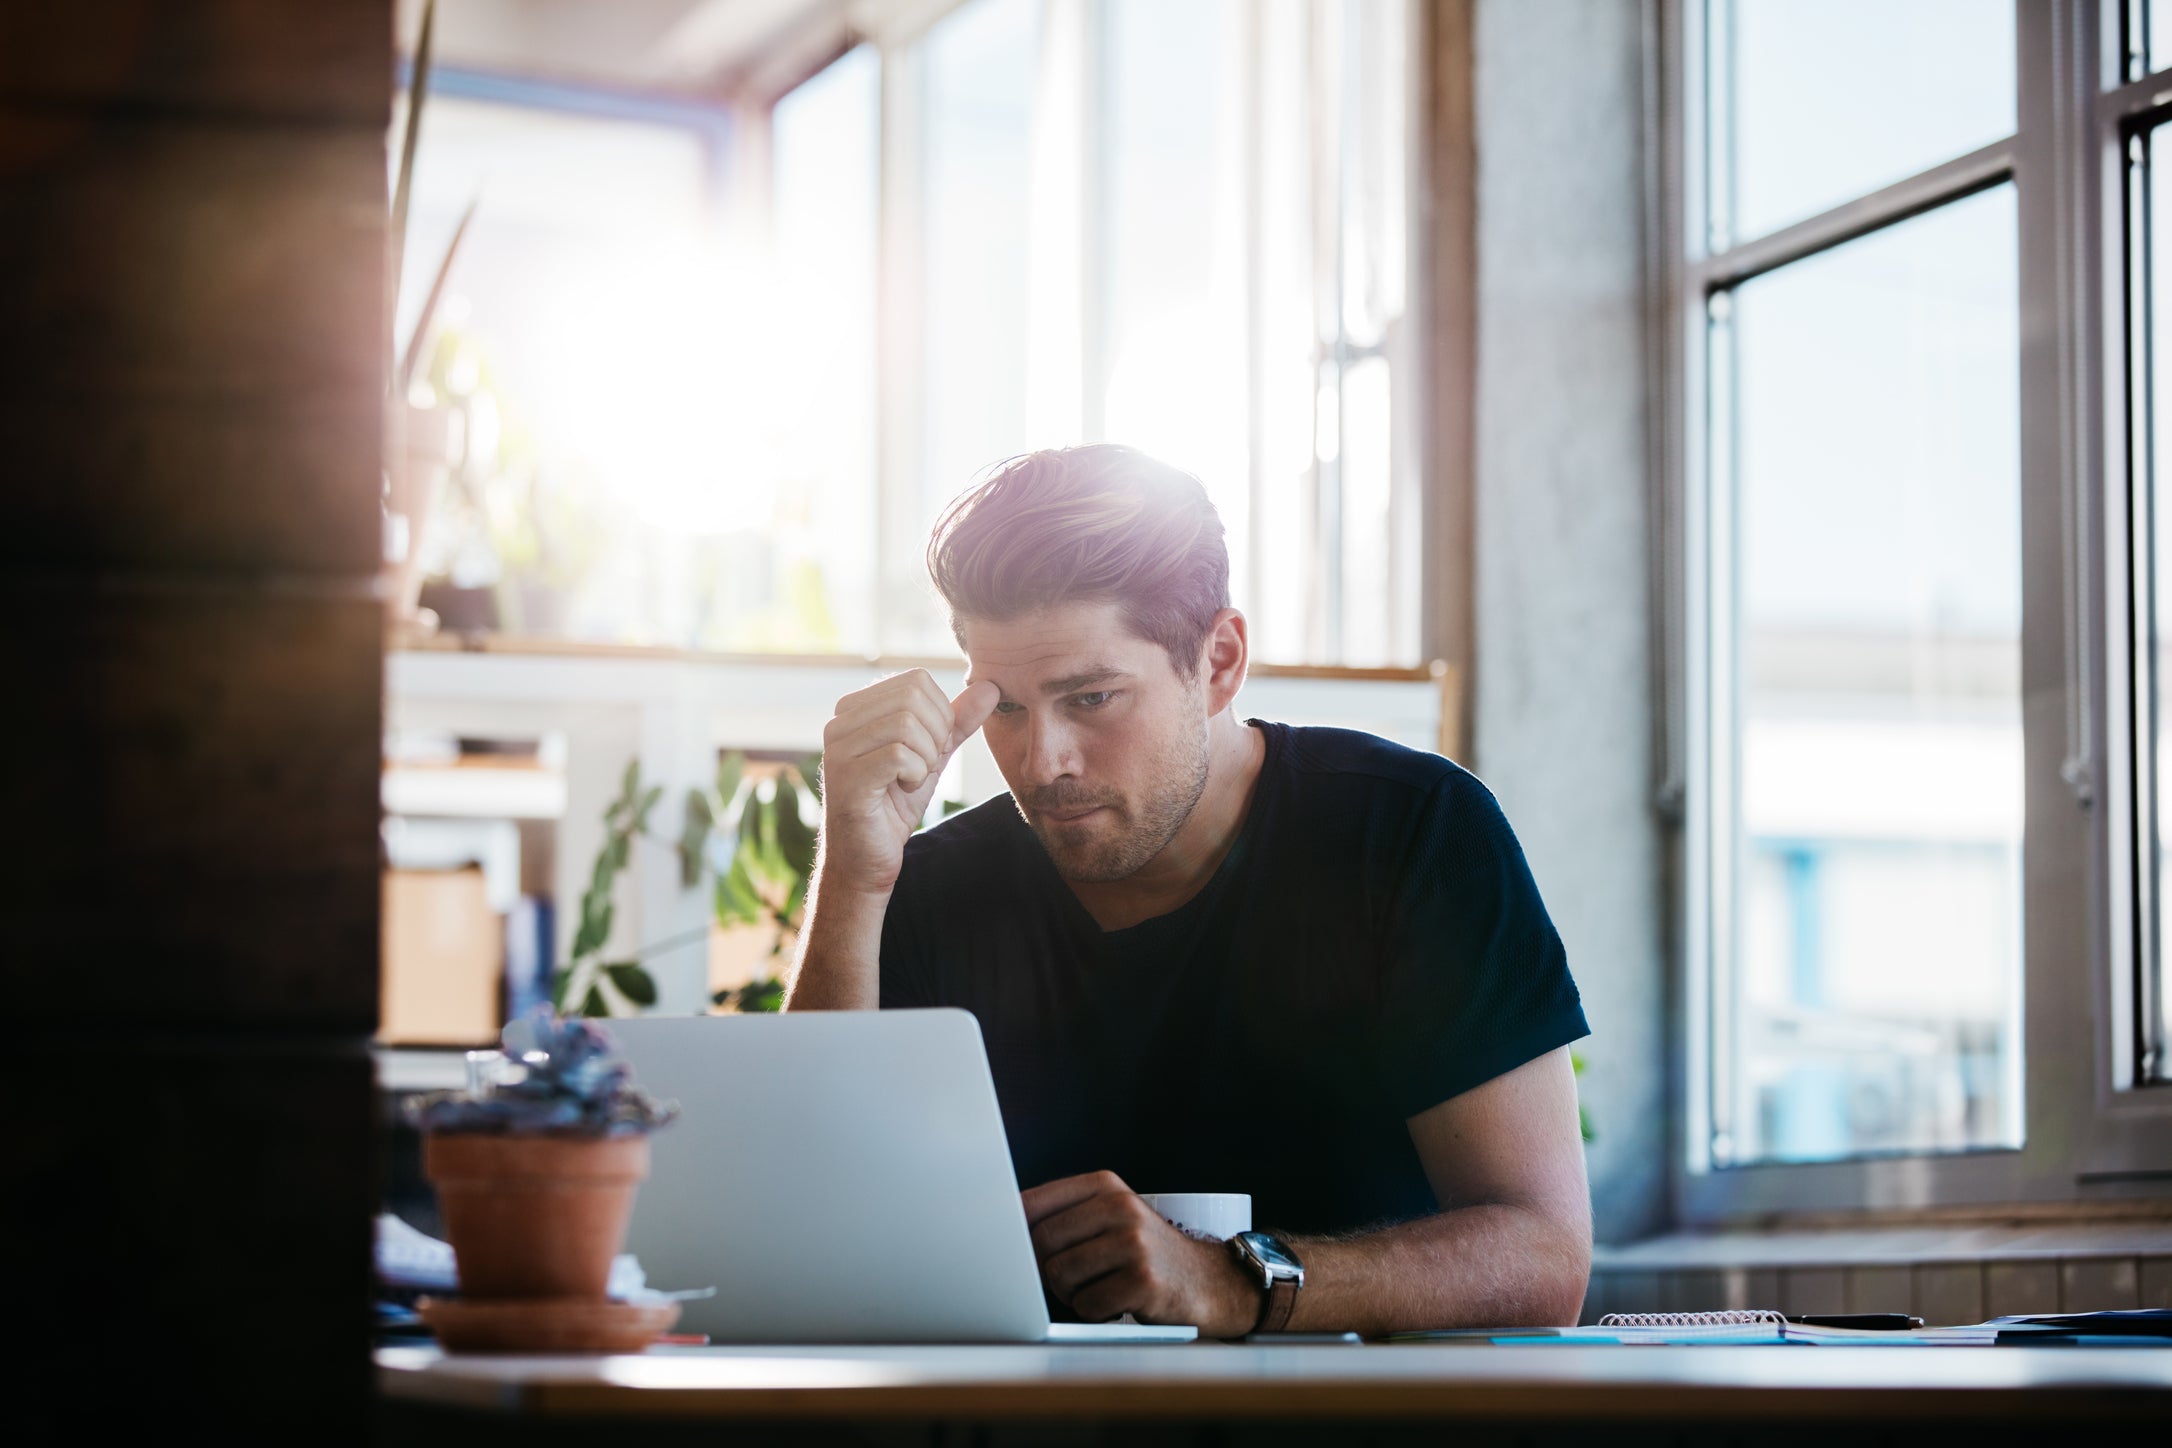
{"points": [[475, 792]]}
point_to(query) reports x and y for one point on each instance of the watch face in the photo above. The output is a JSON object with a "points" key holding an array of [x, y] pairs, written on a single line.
{"points": [[1270, 1251]]}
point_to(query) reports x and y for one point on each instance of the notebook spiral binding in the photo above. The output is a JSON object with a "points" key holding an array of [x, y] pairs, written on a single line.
{"points": [[1747, 1318]]}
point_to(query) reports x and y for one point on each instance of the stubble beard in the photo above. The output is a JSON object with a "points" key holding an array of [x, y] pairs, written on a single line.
{"points": [[1137, 837]]}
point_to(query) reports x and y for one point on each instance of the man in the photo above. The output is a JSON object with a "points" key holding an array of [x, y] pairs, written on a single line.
{"points": [[1207, 954]]}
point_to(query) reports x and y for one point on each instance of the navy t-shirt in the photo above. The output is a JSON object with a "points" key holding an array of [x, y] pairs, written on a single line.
{"points": [[1372, 945]]}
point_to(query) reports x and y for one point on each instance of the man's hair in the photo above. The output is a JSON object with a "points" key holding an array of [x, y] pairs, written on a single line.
{"points": [[1099, 523]]}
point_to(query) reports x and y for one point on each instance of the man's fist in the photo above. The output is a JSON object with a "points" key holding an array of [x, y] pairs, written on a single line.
{"points": [[1105, 1252], [882, 753]]}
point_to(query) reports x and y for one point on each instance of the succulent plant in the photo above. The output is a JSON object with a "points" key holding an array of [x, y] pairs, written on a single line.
{"points": [[558, 1077]]}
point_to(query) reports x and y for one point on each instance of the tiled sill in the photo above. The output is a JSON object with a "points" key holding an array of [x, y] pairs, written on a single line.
{"points": [[1947, 1273], [1855, 1247]]}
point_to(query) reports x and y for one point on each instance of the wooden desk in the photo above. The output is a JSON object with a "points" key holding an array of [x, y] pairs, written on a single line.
{"points": [[1525, 1387]]}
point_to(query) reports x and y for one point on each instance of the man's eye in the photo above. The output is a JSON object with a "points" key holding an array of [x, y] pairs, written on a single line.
{"points": [[1007, 706], [1094, 700]]}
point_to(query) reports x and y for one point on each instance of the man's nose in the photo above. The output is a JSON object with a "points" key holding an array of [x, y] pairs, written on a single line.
{"points": [[1049, 750]]}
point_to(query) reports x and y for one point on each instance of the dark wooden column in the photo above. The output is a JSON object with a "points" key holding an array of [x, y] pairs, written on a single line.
{"points": [[192, 201]]}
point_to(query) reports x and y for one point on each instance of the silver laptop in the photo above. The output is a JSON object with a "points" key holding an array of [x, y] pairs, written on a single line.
{"points": [[839, 1176]]}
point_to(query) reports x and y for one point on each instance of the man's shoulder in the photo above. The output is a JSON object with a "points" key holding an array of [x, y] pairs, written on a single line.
{"points": [[1389, 792], [1361, 760]]}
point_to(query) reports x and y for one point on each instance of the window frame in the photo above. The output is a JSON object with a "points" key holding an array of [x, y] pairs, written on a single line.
{"points": [[2128, 111], [2089, 1134]]}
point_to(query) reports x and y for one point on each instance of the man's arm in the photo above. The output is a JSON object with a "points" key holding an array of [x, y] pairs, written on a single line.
{"points": [[838, 966], [1511, 1245], [882, 754]]}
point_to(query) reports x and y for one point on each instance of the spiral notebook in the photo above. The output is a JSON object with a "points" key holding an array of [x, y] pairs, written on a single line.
{"points": [[1744, 1327]]}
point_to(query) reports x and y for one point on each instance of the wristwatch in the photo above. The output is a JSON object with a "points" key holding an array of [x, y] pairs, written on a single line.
{"points": [[1280, 1274]]}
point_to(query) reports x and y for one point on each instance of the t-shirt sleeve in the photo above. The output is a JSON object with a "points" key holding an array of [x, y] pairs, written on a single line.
{"points": [[1475, 981], [904, 966]]}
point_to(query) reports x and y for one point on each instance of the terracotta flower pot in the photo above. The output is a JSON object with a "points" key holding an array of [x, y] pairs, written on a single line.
{"points": [[535, 1216]]}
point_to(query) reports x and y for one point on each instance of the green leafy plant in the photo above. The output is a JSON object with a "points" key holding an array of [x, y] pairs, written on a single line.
{"points": [[588, 985], [763, 873], [754, 998], [748, 836]]}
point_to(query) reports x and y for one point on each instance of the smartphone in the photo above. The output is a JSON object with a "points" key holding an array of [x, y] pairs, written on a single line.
{"points": [[1303, 1337]]}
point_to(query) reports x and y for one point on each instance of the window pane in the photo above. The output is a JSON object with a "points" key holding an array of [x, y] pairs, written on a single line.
{"points": [[818, 592], [1172, 328], [979, 83], [1868, 993], [577, 364], [1288, 619], [1824, 102], [2157, 14], [1250, 293], [1375, 494]]}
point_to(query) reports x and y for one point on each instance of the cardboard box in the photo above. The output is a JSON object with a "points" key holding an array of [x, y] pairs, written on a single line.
{"points": [[444, 960]]}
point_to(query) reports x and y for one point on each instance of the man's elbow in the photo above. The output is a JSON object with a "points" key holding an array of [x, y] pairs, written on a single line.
{"points": [[1566, 1279], [1558, 1271]]}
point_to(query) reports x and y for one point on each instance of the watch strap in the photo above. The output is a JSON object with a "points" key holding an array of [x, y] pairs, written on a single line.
{"points": [[1280, 1302]]}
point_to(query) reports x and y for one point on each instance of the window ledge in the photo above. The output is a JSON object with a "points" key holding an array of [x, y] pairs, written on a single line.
{"points": [[1949, 1242]]}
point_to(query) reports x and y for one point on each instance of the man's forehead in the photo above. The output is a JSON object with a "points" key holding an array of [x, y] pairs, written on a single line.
{"points": [[1069, 645]]}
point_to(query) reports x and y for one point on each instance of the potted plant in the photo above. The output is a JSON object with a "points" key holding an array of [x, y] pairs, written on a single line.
{"points": [[535, 1168]]}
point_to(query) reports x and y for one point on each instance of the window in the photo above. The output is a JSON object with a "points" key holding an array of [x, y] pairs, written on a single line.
{"points": [[1865, 639], [576, 357], [1910, 883], [821, 270], [716, 369], [1814, 105], [969, 250], [1105, 220], [1871, 987], [1171, 334], [975, 245]]}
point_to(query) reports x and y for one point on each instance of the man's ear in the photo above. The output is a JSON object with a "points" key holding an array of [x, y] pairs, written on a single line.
{"points": [[1224, 658]]}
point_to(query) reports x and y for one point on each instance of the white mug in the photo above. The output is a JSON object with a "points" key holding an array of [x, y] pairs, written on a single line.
{"points": [[1218, 1215]]}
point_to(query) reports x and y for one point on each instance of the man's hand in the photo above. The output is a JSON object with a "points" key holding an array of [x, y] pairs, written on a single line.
{"points": [[882, 754], [1105, 1252]]}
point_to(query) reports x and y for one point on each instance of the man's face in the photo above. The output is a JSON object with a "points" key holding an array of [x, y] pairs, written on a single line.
{"points": [[1103, 743]]}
